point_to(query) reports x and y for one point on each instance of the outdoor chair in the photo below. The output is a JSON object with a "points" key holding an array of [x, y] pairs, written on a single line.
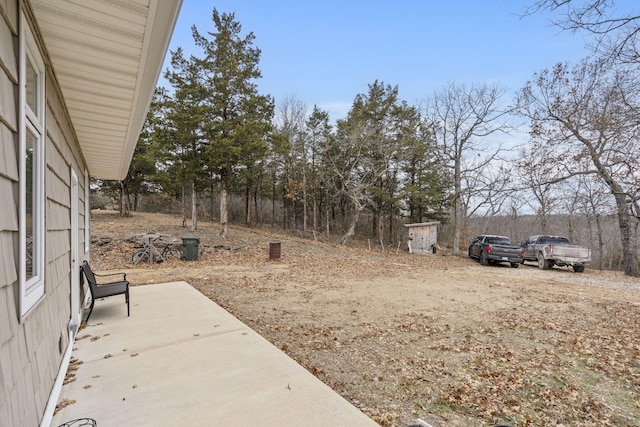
{"points": [[103, 290]]}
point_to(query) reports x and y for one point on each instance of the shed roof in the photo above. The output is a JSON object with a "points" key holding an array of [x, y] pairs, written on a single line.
{"points": [[422, 224]]}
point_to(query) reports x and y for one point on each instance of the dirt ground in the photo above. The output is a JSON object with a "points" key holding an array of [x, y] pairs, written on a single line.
{"points": [[405, 336]]}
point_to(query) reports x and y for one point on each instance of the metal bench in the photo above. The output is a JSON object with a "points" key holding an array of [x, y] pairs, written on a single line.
{"points": [[103, 290]]}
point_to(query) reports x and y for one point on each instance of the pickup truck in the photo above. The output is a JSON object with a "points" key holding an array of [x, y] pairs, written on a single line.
{"points": [[490, 248], [548, 251]]}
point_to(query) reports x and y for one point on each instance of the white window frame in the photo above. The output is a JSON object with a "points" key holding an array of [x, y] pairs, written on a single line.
{"points": [[32, 289]]}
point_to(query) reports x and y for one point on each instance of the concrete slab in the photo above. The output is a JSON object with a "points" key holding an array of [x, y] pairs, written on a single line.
{"points": [[180, 359]]}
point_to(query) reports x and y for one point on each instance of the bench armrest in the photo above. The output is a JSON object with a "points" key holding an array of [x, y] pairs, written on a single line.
{"points": [[124, 275]]}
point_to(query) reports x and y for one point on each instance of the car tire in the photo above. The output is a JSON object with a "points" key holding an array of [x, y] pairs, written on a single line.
{"points": [[483, 259], [543, 263], [578, 268], [515, 265]]}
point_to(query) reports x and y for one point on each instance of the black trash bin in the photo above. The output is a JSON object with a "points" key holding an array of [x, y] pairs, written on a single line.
{"points": [[190, 245]]}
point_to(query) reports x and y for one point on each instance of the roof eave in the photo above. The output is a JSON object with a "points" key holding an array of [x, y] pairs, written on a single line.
{"points": [[107, 58]]}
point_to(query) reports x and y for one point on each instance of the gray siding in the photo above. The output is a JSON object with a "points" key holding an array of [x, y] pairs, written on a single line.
{"points": [[12, 344], [31, 349]]}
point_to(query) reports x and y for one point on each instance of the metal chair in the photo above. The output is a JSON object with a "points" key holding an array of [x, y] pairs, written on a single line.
{"points": [[103, 290]]}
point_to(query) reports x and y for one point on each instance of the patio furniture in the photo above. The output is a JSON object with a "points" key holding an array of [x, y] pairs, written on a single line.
{"points": [[80, 422], [103, 290]]}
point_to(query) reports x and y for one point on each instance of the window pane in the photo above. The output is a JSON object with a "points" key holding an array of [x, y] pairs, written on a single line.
{"points": [[31, 201], [31, 171], [32, 87]]}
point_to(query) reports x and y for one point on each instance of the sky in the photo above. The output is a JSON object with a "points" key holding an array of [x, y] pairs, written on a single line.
{"points": [[327, 52]]}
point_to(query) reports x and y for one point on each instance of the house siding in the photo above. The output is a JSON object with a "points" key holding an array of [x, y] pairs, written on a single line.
{"points": [[32, 348], [11, 365]]}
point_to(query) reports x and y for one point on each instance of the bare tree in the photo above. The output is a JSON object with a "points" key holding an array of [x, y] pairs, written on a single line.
{"points": [[463, 121], [537, 170], [594, 202], [590, 113], [352, 174], [291, 122], [515, 203], [486, 185], [367, 156], [616, 34]]}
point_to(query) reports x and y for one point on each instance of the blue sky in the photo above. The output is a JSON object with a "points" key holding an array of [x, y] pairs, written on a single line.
{"points": [[325, 53]]}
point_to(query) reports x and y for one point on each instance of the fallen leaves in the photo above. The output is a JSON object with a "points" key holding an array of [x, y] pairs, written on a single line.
{"points": [[431, 337], [70, 375], [63, 404]]}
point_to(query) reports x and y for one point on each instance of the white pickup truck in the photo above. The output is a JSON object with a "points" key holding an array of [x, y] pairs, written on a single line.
{"points": [[548, 251]]}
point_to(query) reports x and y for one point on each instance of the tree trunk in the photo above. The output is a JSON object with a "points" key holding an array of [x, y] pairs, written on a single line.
{"points": [[183, 205], [294, 216], [247, 205], [121, 190], [194, 207], [392, 229], [224, 208], [273, 199], [124, 199], [352, 226], [600, 243], [627, 233], [457, 208], [256, 206], [375, 219], [304, 196], [213, 200], [327, 214], [315, 214]]}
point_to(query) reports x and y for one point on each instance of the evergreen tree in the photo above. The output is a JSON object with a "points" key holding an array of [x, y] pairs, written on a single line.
{"points": [[236, 118], [427, 182], [184, 134], [142, 169], [365, 166], [319, 135]]}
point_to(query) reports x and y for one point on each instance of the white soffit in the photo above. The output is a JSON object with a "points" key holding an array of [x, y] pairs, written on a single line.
{"points": [[107, 56]]}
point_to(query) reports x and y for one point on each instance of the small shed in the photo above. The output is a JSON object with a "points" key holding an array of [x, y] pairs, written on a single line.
{"points": [[423, 237]]}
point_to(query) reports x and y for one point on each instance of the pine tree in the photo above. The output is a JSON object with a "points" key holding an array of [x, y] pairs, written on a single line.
{"points": [[319, 134], [184, 133], [237, 119]]}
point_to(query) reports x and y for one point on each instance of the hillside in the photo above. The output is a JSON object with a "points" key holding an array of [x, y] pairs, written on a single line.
{"points": [[417, 336]]}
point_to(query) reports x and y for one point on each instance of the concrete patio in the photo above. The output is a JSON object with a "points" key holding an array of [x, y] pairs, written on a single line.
{"points": [[180, 359]]}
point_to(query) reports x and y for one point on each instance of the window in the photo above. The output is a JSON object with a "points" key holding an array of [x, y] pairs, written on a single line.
{"points": [[32, 170]]}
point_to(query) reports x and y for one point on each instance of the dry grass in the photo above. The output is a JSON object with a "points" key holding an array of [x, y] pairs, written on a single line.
{"points": [[405, 337]]}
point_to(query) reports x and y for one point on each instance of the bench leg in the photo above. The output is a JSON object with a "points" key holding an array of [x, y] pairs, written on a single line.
{"points": [[126, 295], [90, 309]]}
